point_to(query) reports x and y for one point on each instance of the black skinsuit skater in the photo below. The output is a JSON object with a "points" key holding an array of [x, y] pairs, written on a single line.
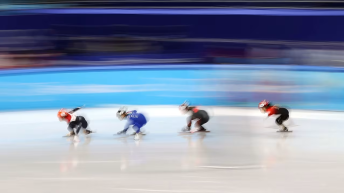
{"points": [[201, 116]]}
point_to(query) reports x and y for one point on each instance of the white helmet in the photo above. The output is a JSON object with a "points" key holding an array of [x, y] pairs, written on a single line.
{"points": [[120, 113], [183, 107]]}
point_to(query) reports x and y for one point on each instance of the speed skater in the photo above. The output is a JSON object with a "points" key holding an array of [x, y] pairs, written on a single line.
{"points": [[135, 120], [267, 107], [75, 123], [201, 116]]}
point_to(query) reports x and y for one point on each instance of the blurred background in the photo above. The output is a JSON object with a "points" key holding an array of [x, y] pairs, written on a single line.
{"points": [[231, 53], [113, 32]]}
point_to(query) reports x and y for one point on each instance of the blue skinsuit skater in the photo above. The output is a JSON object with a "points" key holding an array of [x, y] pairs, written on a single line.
{"points": [[135, 119]]}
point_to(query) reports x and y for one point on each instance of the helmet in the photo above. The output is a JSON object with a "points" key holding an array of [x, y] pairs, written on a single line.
{"points": [[121, 112], [61, 114], [263, 104], [184, 106]]}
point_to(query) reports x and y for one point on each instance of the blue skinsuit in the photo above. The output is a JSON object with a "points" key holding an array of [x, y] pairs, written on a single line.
{"points": [[137, 120]]}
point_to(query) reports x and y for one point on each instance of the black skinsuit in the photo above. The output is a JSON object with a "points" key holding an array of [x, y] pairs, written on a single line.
{"points": [[201, 115]]}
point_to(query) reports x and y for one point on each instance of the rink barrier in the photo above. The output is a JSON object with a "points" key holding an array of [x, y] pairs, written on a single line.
{"points": [[175, 67], [297, 87], [185, 11]]}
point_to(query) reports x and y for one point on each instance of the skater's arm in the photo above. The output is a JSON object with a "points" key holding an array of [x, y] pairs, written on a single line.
{"points": [[189, 121], [127, 125], [74, 110]]}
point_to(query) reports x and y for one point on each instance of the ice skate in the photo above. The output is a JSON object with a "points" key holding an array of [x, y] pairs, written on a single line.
{"points": [[186, 129], [202, 129], [122, 132], [87, 132], [71, 134], [137, 136], [141, 133], [284, 129]]}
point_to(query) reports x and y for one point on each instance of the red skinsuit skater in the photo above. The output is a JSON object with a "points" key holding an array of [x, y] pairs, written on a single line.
{"points": [[75, 123], [267, 107]]}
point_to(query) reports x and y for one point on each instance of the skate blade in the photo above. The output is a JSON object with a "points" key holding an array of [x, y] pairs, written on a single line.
{"points": [[276, 127], [184, 132], [140, 134], [206, 131], [284, 131]]}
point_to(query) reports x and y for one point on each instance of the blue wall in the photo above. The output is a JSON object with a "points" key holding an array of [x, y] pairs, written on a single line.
{"points": [[316, 88], [279, 24]]}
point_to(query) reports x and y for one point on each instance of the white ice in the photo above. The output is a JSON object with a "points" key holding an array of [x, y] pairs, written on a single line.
{"points": [[243, 153]]}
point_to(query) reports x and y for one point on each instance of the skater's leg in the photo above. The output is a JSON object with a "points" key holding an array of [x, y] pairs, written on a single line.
{"points": [[201, 122], [84, 125], [86, 131], [71, 132], [189, 122], [83, 122], [71, 129], [284, 118], [137, 129], [77, 128], [280, 120]]}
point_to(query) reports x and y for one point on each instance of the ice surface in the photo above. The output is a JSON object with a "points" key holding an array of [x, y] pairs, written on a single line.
{"points": [[241, 154]]}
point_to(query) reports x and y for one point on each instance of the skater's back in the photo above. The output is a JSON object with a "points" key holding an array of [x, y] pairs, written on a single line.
{"points": [[198, 113], [276, 110], [135, 117]]}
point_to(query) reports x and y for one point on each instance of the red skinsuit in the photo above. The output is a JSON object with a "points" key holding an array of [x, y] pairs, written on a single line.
{"points": [[272, 110], [69, 117]]}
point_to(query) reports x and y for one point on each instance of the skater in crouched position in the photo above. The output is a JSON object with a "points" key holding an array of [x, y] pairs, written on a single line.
{"points": [[267, 107], [134, 119], [201, 116], [75, 123]]}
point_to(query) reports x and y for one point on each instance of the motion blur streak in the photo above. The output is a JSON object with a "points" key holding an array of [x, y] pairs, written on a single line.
{"points": [[137, 96]]}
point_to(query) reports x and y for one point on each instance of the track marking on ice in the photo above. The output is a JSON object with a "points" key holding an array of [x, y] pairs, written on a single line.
{"points": [[79, 162], [234, 167], [316, 162], [73, 179], [150, 190], [207, 177], [214, 182]]}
